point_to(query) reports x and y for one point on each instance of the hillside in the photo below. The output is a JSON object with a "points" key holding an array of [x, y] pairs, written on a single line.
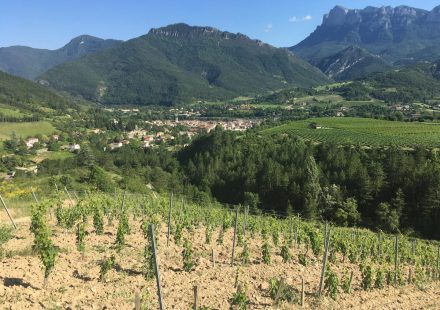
{"points": [[28, 62], [352, 63], [363, 131], [20, 93], [396, 34], [182, 63], [99, 264]]}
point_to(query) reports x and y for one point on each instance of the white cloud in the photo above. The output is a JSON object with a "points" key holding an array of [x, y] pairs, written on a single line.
{"points": [[295, 19], [268, 28]]}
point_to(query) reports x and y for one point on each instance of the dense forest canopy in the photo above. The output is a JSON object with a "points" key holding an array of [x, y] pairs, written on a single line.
{"points": [[390, 189]]}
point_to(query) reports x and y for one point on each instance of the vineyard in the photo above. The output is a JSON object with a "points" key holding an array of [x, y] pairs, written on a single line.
{"points": [[127, 251], [369, 132]]}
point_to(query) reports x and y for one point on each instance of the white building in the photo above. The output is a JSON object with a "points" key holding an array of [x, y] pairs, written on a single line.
{"points": [[74, 147]]}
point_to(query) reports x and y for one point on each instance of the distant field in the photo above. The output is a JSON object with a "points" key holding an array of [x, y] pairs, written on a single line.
{"points": [[364, 131], [25, 129], [52, 156], [8, 111]]}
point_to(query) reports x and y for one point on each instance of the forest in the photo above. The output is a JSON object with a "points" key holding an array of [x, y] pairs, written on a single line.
{"points": [[383, 188]]}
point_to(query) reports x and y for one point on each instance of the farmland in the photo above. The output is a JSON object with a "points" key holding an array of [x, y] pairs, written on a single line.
{"points": [[25, 129], [369, 132], [103, 259]]}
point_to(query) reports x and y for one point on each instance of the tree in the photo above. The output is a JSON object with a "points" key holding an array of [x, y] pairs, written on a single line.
{"points": [[347, 214], [100, 179], [312, 188], [252, 200], [387, 218]]}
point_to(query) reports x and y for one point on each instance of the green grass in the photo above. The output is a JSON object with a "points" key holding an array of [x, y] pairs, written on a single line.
{"points": [[9, 111], [52, 156], [25, 129], [369, 132]]}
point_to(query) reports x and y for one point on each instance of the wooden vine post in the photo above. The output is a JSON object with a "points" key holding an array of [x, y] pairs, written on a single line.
{"points": [[213, 258], [156, 265], [169, 219], [350, 281], [297, 232], [302, 292], [379, 246], [196, 297], [280, 290], [68, 195], [35, 196], [123, 201], [235, 236], [7, 211], [396, 258], [137, 301], [324, 263], [246, 213], [438, 262], [290, 228]]}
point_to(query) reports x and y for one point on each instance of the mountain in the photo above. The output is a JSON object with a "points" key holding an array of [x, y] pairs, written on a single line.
{"points": [[24, 94], [401, 34], [30, 62], [182, 63], [352, 63]]}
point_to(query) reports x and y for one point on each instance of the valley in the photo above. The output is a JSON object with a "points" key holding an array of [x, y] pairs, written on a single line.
{"points": [[262, 177]]}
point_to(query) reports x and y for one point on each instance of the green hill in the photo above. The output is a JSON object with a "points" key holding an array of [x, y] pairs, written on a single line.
{"points": [[352, 63], [26, 95], [364, 131], [182, 63], [31, 62]]}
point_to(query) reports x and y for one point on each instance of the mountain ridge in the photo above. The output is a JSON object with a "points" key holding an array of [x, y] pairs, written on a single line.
{"points": [[352, 63], [396, 34], [180, 62], [28, 62]]}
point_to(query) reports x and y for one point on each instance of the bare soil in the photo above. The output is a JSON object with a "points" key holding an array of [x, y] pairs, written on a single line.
{"points": [[74, 283]]}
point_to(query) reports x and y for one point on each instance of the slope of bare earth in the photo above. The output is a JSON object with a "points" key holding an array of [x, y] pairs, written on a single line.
{"points": [[74, 282]]}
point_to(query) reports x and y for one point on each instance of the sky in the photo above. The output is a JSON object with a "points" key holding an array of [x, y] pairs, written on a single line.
{"points": [[53, 23]]}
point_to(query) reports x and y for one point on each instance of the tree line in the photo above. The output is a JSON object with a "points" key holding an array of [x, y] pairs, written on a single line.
{"points": [[391, 189]]}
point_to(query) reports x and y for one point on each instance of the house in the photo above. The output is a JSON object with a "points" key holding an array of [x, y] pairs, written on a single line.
{"points": [[340, 114], [56, 137], [315, 126], [149, 138], [145, 144], [30, 142], [74, 147], [10, 174], [115, 145]]}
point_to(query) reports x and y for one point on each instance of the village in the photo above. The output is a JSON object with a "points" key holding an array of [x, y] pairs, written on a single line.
{"points": [[171, 133]]}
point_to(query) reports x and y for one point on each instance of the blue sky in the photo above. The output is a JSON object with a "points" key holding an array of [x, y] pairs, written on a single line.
{"points": [[52, 23]]}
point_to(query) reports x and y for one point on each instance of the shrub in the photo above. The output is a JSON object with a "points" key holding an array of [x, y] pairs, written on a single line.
{"points": [[5, 235], [106, 266], [98, 221], [380, 279], [266, 253], [239, 300], [331, 284], [367, 277], [187, 254], [245, 256], [42, 243], [285, 254]]}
